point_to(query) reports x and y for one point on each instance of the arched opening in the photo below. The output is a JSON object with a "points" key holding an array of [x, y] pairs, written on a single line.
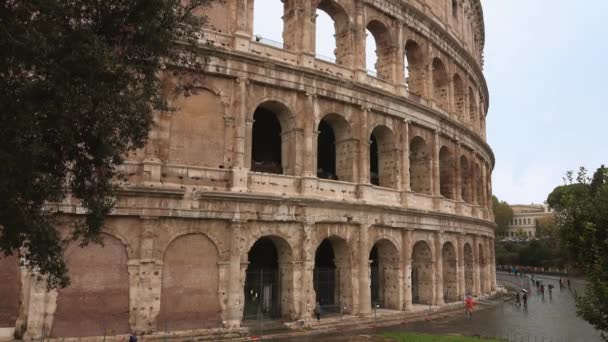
{"points": [[267, 280], [441, 84], [422, 273], [378, 50], [97, 299], [415, 74], [468, 269], [331, 276], [459, 102], [450, 275], [10, 288], [482, 271], [190, 284], [465, 180], [268, 24], [472, 108], [420, 166], [326, 152], [384, 267], [331, 18], [384, 164], [446, 173], [269, 146]]}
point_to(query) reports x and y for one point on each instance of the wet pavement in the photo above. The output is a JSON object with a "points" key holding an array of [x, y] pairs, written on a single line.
{"points": [[548, 318]]}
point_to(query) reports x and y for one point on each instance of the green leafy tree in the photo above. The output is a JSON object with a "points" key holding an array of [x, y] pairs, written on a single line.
{"points": [[503, 214], [79, 80], [581, 207]]}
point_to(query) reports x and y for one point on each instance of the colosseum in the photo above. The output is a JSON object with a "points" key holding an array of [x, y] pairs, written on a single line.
{"points": [[287, 179]]}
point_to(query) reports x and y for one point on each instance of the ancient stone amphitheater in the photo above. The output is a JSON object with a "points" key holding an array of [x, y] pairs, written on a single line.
{"points": [[287, 179]]}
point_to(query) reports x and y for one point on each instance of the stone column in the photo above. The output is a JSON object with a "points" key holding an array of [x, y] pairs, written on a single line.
{"points": [[407, 269], [365, 295], [359, 42], [457, 172], [460, 267], [240, 134], [310, 137], [435, 166], [484, 193], [248, 142], [438, 269], [492, 265], [242, 18], [235, 304], [363, 147], [306, 294], [476, 268], [41, 309], [405, 157]]}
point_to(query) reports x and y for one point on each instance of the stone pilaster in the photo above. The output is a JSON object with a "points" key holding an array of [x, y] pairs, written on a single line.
{"points": [[457, 171], [405, 157], [407, 269], [363, 147], [435, 166], [306, 292], [364, 275], [41, 309], [460, 267], [476, 268], [438, 269], [235, 294]]}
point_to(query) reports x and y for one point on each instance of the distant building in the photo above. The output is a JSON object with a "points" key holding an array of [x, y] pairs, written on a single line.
{"points": [[525, 218]]}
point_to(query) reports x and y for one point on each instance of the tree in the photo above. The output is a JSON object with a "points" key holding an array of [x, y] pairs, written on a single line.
{"points": [[581, 207], [503, 214], [79, 80]]}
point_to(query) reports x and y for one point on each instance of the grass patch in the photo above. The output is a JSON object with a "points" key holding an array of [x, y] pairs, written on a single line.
{"points": [[408, 337]]}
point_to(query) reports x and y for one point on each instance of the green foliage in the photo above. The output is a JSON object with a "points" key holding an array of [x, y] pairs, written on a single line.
{"points": [[79, 81], [503, 214], [536, 253], [581, 208]]}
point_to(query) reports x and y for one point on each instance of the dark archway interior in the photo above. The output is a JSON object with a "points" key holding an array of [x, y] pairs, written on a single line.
{"points": [[374, 174], [326, 152], [325, 276], [375, 275], [266, 142], [262, 281]]}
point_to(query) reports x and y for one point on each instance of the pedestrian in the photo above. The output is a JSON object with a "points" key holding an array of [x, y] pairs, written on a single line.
{"points": [[537, 284], [517, 301], [132, 338], [318, 311], [561, 283], [550, 291], [542, 290], [568, 282], [469, 304], [525, 299]]}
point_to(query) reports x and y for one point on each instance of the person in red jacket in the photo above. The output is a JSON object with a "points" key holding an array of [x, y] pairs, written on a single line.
{"points": [[469, 304]]}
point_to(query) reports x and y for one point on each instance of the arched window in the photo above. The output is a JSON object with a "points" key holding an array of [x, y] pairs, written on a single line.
{"points": [[420, 166], [378, 50], [268, 22], [332, 19], [440, 84], [415, 74], [335, 150], [270, 150]]}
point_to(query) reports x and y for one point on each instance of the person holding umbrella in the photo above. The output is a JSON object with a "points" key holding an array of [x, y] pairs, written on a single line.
{"points": [[525, 297], [550, 286]]}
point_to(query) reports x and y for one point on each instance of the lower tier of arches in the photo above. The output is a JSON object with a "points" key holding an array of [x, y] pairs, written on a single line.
{"points": [[158, 274]]}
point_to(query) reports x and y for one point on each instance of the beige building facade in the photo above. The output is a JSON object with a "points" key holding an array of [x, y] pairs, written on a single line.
{"points": [[286, 180], [525, 217]]}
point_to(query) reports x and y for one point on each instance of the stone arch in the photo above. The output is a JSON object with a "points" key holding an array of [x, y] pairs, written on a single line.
{"points": [[382, 39], [273, 141], [422, 273], [336, 149], [196, 134], [441, 84], [268, 290], [459, 99], [190, 284], [384, 264], [473, 108], [384, 157], [446, 173], [450, 274], [97, 299], [465, 180], [420, 166], [415, 68], [483, 288], [344, 51], [332, 278], [469, 269], [10, 290]]}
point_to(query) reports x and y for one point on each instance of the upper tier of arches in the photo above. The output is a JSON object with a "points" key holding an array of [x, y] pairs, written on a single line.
{"points": [[380, 45]]}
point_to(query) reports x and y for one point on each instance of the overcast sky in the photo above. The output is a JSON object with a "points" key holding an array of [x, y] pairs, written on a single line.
{"points": [[546, 63]]}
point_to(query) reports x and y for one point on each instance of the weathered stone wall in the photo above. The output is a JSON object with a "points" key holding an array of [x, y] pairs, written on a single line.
{"points": [[410, 179]]}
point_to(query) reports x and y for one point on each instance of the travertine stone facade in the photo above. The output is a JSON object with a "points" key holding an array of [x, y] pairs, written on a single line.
{"points": [[287, 180]]}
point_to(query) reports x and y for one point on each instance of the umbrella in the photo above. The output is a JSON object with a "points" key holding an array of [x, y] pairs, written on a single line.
{"points": [[524, 290]]}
